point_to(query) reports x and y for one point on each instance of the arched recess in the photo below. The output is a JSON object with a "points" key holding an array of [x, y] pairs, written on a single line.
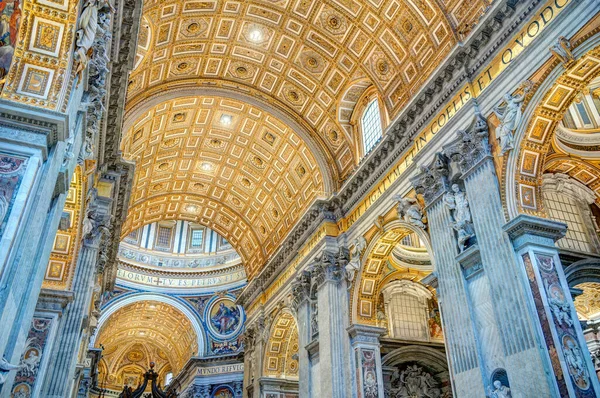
{"points": [[527, 163], [416, 362], [583, 278], [281, 360], [250, 175], [123, 301], [375, 271]]}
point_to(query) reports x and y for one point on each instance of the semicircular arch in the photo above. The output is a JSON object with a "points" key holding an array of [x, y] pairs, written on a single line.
{"points": [[281, 347], [367, 285], [124, 301], [526, 164]]}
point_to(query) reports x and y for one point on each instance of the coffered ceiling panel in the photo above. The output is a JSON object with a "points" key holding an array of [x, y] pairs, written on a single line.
{"points": [[143, 332], [300, 55], [224, 164]]}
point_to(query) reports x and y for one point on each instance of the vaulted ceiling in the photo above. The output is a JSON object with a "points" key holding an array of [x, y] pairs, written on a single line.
{"points": [[142, 332], [289, 73]]}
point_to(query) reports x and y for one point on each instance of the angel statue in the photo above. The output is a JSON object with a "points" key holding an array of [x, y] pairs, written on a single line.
{"points": [[510, 114], [410, 211], [6, 367], [353, 266], [86, 32], [562, 50]]}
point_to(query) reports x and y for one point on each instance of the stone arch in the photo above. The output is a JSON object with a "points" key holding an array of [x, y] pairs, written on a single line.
{"points": [[367, 285], [429, 359], [583, 271], [123, 301], [525, 165], [281, 349]]}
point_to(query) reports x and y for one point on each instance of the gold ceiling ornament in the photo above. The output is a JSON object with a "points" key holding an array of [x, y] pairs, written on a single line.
{"points": [[366, 287], [63, 257], [142, 332], [301, 55], [41, 70], [536, 148], [281, 357], [588, 303], [224, 164]]}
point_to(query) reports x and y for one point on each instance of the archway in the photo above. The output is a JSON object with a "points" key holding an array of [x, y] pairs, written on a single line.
{"points": [[139, 333], [281, 352], [129, 299], [386, 259]]}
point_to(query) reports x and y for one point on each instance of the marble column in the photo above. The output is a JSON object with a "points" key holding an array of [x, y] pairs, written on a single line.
{"points": [[59, 380], [572, 370], [301, 307], [466, 220], [455, 307], [249, 369], [366, 359], [332, 298]]}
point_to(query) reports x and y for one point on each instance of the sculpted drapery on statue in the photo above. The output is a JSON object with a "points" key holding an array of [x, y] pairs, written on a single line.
{"points": [[458, 204], [353, 266], [410, 211], [510, 114], [86, 33]]}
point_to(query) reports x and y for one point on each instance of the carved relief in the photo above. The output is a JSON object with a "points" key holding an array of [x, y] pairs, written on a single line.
{"points": [[410, 210], [414, 382]]}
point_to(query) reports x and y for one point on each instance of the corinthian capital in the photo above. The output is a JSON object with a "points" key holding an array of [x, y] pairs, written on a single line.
{"points": [[471, 145], [301, 289], [432, 182]]}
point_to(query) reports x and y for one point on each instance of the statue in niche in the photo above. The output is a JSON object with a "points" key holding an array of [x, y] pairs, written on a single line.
{"points": [[314, 321], [499, 390], [510, 114], [558, 305], [457, 202], [86, 33], [562, 50], [410, 211], [5, 368], [353, 266], [413, 382]]}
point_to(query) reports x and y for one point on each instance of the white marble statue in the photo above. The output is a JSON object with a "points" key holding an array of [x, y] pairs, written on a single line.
{"points": [[562, 50], [458, 204], [353, 266], [510, 114], [5, 368], [410, 211], [500, 390], [86, 32], [413, 382]]}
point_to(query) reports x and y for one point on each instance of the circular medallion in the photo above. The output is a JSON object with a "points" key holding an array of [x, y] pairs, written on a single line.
{"points": [[224, 317]]}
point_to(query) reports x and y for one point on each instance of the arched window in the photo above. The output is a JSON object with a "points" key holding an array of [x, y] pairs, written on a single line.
{"points": [[406, 305], [371, 126], [168, 378]]}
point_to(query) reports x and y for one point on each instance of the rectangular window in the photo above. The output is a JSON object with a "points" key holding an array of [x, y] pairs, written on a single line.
{"points": [[371, 126], [163, 237], [563, 208], [197, 238], [408, 317]]}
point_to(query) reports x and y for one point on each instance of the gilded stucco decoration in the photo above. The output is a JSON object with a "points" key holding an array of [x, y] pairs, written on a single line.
{"points": [[588, 303], [386, 258], [41, 70], [63, 257], [300, 56], [224, 164], [139, 333], [281, 355], [539, 153]]}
